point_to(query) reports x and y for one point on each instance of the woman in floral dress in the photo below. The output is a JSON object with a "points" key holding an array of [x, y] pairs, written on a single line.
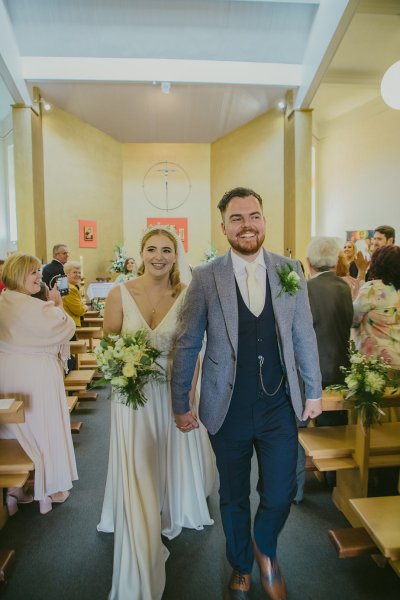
{"points": [[377, 308]]}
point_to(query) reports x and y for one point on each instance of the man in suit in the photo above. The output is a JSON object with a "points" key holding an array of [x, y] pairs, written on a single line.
{"points": [[250, 389], [332, 311], [331, 307], [55, 269]]}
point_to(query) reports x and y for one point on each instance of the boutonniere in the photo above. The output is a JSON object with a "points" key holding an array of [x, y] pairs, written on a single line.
{"points": [[289, 279]]}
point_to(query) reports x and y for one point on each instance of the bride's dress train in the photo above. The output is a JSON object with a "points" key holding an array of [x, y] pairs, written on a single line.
{"points": [[158, 478]]}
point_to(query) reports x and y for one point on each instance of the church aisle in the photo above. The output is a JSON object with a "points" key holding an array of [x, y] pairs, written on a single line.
{"points": [[61, 555]]}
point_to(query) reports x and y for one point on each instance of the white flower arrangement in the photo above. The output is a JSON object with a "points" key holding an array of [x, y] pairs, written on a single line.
{"points": [[117, 265], [128, 362], [210, 253], [99, 305], [365, 384]]}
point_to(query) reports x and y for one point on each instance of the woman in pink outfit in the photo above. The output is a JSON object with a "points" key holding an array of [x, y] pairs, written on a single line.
{"points": [[34, 348]]}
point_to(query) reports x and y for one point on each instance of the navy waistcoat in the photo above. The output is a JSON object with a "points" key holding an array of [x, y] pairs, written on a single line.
{"points": [[257, 337]]}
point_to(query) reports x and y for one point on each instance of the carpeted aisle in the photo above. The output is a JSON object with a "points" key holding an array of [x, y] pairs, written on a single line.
{"points": [[61, 556]]}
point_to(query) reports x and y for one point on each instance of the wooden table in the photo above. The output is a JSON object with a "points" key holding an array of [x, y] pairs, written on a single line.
{"points": [[381, 518]]}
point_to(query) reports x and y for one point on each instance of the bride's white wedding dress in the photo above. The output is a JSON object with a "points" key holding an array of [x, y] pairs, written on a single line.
{"points": [[158, 478]]}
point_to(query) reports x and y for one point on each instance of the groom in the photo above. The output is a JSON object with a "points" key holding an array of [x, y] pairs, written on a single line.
{"points": [[258, 334]]}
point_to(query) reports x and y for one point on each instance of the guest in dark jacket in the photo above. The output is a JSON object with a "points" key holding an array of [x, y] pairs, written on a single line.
{"points": [[55, 269]]}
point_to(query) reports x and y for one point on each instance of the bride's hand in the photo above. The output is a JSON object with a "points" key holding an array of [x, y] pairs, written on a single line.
{"points": [[186, 422]]}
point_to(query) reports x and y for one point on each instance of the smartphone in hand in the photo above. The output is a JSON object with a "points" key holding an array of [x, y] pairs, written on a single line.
{"points": [[62, 284]]}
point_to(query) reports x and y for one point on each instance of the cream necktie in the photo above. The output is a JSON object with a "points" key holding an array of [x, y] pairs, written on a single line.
{"points": [[256, 296]]}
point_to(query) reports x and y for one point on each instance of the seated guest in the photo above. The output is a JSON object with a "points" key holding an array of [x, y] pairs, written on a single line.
{"points": [[349, 251], [73, 303], [34, 348], [55, 269], [377, 308], [130, 271]]}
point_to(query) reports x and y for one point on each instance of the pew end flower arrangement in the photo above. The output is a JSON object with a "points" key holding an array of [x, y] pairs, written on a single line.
{"points": [[366, 381], [128, 362], [99, 305], [117, 265]]}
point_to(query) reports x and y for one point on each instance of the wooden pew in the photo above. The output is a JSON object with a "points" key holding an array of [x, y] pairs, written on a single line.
{"points": [[92, 321], [76, 426], [88, 333], [351, 451]]}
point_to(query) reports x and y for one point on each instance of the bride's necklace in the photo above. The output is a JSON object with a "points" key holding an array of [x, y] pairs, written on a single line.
{"points": [[155, 306]]}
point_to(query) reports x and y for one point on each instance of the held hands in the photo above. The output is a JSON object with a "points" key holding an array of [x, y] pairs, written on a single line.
{"points": [[55, 295], [312, 409], [186, 422]]}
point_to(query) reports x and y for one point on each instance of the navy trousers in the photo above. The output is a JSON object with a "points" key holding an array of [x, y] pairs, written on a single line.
{"points": [[266, 424]]}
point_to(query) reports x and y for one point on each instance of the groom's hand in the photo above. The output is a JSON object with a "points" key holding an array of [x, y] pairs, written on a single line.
{"points": [[312, 409], [186, 422]]}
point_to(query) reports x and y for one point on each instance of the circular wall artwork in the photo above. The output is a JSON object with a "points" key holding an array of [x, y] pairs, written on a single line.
{"points": [[166, 185]]}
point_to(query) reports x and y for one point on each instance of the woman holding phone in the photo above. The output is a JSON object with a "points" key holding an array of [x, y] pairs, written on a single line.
{"points": [[34, 348]]}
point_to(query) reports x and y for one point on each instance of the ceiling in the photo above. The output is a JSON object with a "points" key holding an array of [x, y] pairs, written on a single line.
{"points": [[228, 61]]}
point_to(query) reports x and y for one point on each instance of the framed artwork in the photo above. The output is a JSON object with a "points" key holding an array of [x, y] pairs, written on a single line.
{"points": [[87, 234], [361, 238], [180, 225]]}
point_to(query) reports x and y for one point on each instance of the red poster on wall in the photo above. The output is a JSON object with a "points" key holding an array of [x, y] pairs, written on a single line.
{"points": [[87, 234], [180, 225]]}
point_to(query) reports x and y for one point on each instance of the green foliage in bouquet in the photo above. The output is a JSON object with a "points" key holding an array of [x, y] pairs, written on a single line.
{"points": [[128, 362]]}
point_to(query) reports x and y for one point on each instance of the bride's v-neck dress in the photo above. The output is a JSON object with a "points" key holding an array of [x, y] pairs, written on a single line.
{"points": [[158, 478]]}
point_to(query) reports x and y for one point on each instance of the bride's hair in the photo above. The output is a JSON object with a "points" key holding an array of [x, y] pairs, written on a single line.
{"points": [[174, 277]]}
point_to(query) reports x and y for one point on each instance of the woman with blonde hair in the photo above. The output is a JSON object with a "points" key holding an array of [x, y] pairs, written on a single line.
{"points": [[342, 270], [350, 253], [158, 478], [34, 350]]}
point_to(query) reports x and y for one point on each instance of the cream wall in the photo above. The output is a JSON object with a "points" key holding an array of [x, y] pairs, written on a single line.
{"points": [[359, 171], [251, 156], [83, 180], [195, 159]]}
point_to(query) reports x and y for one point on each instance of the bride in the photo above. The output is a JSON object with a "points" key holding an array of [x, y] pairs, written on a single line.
{"points": [[158, 478]]}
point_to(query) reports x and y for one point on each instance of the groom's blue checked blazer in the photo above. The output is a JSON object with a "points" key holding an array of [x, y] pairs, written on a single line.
{"points": [[211, 306]]}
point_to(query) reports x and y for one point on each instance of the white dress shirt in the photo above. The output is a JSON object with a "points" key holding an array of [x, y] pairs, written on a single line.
{"points": [[239, 268]]}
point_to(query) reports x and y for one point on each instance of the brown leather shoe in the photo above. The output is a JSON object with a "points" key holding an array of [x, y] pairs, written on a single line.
{"points": [[238, 587], [270, 575]]}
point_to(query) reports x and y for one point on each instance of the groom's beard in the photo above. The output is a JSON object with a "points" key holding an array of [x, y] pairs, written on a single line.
{"points": [[247, 246]]}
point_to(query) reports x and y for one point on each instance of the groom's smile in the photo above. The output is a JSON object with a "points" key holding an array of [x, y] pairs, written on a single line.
{"points": [[244, 225]]}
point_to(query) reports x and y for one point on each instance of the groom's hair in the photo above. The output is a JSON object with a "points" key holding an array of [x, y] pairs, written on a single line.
{"points": [[240, 192]]}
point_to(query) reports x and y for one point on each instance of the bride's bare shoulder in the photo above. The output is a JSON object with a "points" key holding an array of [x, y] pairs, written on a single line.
{"points": [[134, 286]]}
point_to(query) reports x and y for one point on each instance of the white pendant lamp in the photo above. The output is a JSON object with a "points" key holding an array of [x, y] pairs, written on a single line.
{"points": [[390, 86]]}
